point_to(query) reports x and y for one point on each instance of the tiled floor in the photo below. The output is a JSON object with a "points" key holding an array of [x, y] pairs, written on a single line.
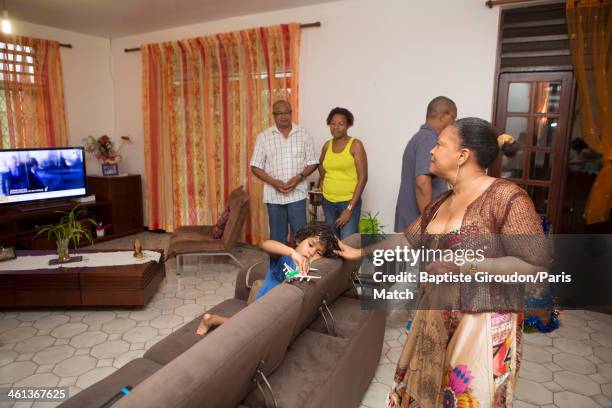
{"points": [[571, 367]]}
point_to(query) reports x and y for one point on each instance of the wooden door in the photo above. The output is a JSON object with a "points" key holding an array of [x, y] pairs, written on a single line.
{"points": [[534, 108]]}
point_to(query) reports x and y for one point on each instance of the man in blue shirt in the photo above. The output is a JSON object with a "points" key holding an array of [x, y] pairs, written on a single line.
{"points": [[418, 187]]}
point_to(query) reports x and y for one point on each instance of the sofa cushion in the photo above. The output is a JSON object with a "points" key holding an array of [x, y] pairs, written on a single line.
{"points": [[184, 338], [130, 374], [193, 231], [217, 231], [255, 287], [324, 371], [304, 371], [189, 244], [348, 317], [335, 280], [253, 272], [239, 207], [218, 370]]}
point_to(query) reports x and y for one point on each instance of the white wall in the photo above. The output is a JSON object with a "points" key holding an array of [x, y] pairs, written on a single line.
{"points": [[88, 86], [384, 60]]}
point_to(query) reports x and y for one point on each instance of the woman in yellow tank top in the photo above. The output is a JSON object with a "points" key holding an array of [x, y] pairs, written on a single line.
{"points": [[344, 173]]}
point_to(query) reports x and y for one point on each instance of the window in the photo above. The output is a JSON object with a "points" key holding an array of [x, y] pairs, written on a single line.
{"points": [[17, 80], [16, 63]]}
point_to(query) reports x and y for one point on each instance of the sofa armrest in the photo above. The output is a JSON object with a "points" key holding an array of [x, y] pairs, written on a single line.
{"points": [[248, 275]]}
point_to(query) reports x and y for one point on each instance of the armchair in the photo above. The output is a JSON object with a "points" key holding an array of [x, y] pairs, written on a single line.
{"points": [[197, 240]]}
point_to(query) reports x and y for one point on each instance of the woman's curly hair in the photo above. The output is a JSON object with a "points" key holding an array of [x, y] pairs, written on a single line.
{"points": [[323, 232]]}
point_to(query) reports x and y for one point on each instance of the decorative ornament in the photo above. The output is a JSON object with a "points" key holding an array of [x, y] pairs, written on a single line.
{"points": [[138, 249]]}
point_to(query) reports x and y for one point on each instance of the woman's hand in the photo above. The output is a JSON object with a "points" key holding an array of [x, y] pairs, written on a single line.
{"points": [[344, 218], [348, 252], [302, 263], [440, 268]]}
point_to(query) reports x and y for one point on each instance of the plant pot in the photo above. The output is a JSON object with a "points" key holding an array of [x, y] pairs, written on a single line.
{"points": [[62, 250]]}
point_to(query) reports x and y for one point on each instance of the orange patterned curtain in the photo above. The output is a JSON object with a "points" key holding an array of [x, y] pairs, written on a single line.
{"points": [[31, 93], [204, 102], [590, 31]]}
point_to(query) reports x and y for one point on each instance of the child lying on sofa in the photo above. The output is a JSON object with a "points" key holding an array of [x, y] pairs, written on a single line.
{"points": [[313, 242]]}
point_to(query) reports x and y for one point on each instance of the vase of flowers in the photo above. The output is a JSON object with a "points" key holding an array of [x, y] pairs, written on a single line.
{"points": [[103, 149]]}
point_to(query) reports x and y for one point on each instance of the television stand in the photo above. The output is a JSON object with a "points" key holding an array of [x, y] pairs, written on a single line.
{"points": [[41, 206], [118, 203]]}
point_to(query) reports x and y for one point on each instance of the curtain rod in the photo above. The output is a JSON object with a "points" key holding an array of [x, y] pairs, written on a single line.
{"points": [[307, 25], [65, 45], [493, 3]]}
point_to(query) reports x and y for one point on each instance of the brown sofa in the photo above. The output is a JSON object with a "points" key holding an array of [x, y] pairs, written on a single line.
{"points": [[301, 345]]}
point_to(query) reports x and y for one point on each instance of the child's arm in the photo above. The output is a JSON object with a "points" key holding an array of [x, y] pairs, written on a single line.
{"points": [[276, 248], [348, 252]]}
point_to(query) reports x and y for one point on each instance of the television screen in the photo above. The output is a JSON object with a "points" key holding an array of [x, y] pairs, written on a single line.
{"points": [[41, 174]]}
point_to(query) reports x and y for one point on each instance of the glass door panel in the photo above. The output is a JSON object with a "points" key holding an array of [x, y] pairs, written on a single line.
{"points": [[547, 97], [540, 166], [517, 127], [519, 97], [512, 167], [545, 129]]}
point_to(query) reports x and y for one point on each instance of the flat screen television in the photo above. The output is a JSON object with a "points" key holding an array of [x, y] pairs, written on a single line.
{"points": [[30, 175]]}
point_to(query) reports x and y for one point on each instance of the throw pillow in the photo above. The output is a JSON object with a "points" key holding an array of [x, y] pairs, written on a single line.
{"points": [[254, 290], [219, 227]]}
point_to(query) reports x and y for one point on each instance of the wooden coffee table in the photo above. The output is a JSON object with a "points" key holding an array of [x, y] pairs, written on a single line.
{"points": [[119, 285]]}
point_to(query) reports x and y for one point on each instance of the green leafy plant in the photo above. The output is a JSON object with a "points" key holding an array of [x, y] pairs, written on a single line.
{"points": [[371, 231], [72, 227], [369, 224]]}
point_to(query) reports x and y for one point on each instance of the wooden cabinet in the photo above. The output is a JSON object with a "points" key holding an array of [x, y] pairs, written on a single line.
{"points": [[125, 196], [118, 202]]}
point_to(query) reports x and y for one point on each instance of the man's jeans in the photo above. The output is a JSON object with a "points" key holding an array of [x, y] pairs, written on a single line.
{"points": [[333, 210], [281, 215]]}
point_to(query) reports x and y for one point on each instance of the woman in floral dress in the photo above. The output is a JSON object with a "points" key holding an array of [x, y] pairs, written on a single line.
{"points": [[463, 345]]}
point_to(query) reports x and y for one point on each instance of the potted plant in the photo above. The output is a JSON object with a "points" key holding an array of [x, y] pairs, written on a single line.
{"points": [[101, 229], [72, 227], [371, 231], [370, 225]]}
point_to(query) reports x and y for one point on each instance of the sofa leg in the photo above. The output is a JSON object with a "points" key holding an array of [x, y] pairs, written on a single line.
{"points": [[180, 259]]}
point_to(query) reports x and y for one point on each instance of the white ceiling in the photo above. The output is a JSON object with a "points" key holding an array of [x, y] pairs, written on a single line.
{"points": [[118, 18]]}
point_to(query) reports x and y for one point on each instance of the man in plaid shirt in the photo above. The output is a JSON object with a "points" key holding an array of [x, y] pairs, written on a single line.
{"points": [[284, 156]]}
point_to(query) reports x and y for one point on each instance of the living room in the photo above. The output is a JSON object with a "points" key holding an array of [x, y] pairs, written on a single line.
{"points": [[118, 327]]}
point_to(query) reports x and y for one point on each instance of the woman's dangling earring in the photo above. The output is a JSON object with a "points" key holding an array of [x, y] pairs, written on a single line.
{"points": [[456, 175]]}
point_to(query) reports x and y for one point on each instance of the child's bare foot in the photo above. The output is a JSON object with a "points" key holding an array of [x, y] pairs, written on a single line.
{"points": [[204, 325]]}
